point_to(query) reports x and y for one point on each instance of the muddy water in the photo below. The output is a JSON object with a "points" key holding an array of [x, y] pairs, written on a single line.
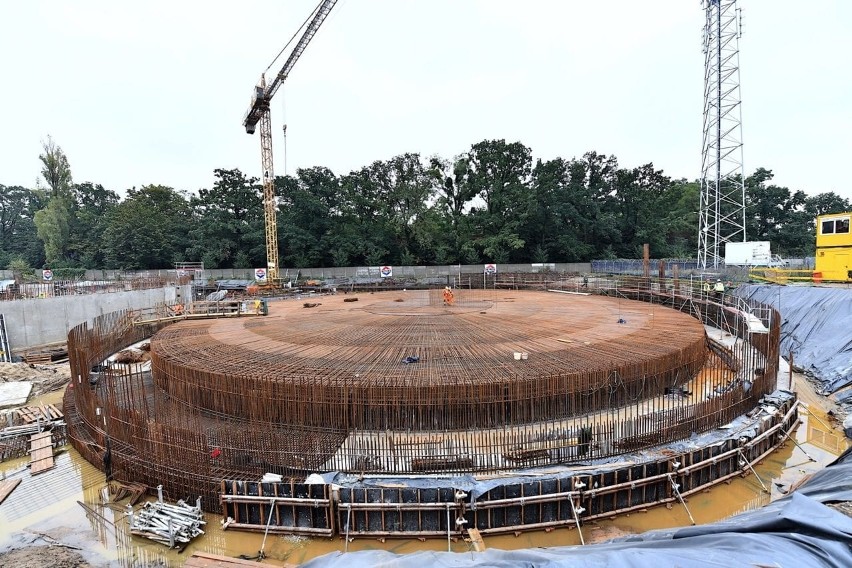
{"points": [[46, 506]]}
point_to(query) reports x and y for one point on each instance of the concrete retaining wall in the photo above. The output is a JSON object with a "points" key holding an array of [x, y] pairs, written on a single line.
{"points": [[39, 321]]}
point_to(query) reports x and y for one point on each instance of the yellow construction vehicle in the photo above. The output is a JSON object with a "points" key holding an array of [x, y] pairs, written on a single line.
{"points": [[833, 248]]}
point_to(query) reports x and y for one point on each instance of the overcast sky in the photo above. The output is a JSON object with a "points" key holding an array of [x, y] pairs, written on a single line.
{"points": [[154, 92]]}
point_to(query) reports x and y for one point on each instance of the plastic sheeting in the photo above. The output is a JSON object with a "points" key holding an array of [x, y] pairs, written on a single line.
{"points": [[816, 328], [798, 530]]}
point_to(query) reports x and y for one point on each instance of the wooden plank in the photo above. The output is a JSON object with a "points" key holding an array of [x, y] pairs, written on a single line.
{"points": [[6, 487], [41, 452], [476, 539], [27, 415], [207, 560]]}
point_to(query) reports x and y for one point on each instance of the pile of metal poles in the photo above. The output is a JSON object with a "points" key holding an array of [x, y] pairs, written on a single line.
{"points": [[172, 525]]}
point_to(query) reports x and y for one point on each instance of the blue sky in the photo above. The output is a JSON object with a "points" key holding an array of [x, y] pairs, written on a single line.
{"points": [[154, 92]]}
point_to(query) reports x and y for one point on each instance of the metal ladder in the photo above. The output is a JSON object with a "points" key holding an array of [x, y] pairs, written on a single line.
{"points": [[5, 350]]}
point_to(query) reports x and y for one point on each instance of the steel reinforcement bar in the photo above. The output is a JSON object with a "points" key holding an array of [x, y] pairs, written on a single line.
{"points": [[127, 424]]}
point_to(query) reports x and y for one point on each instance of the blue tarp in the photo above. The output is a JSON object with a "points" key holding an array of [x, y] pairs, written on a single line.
{"points": [[798, 530], [816, 328]]}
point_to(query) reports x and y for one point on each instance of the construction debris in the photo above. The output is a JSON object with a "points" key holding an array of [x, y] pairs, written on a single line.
{"points": [[133, 491], [22, 430], [44, 378], [172, 525], [129, 356]]}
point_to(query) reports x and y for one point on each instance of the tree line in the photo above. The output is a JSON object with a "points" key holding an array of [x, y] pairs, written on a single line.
{"points": [[493, 203]]}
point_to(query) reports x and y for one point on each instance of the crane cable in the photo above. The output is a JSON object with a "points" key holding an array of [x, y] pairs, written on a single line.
{"points": [[311, 15]]}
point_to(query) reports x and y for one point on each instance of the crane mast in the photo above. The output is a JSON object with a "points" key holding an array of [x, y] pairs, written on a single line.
{"points": [[258, 112]]}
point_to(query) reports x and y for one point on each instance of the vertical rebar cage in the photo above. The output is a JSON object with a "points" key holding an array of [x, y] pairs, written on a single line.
{"points": [[310, 389]]}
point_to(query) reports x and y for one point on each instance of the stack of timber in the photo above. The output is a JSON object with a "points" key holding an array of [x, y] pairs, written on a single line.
{"points": [[15, 440], [46, 355], [172, 525], [43, 413], [133, 491]]}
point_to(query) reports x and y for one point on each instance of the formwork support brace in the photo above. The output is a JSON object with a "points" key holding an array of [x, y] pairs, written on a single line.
{"points": [[798, 445], [260, 555], [348, 517], [744, 463], [676, 489], [449, 547], [812, 415], [576, 511]]}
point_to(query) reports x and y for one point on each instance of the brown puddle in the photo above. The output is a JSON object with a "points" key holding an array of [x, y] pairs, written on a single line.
{"points": [[48, 504]]}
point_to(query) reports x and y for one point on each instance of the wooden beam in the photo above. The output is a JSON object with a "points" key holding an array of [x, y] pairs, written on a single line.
{"points": [[6, 487], [41, 452], [476, 539], [207, 560]]}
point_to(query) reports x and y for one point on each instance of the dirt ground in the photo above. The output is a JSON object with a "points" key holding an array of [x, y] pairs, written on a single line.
{"points": [[45, 378], [43, 557]]}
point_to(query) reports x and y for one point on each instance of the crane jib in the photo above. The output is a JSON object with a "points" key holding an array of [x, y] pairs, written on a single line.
{"points": [[263, 95]]}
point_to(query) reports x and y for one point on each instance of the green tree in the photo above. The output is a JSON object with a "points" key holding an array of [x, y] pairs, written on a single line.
{"points": [[21, 269], [365, 235], [648, 204], [402, 188], [592, 186], [227, 229], [446, 226], [825, 204], [679, 210], [90, 210], [499, 174], [18, 237], [54, 226], [310, 218], [56, 171], [148, 229], [773, 213], [53, 223]]}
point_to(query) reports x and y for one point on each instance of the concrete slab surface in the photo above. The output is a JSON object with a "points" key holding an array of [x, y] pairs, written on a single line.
{"points": [[14, 393]]}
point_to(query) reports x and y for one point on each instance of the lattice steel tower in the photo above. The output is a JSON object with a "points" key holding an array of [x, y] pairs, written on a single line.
{"points": [[722, 206]]}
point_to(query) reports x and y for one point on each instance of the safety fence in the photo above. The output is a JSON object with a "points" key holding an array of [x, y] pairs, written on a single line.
{"points": [[11, 290]]}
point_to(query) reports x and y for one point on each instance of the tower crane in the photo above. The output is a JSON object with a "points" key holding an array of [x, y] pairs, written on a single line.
{"points": [[259, 112]]}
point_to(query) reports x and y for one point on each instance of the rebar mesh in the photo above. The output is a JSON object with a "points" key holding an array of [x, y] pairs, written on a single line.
{"points": [[325, 388]]}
